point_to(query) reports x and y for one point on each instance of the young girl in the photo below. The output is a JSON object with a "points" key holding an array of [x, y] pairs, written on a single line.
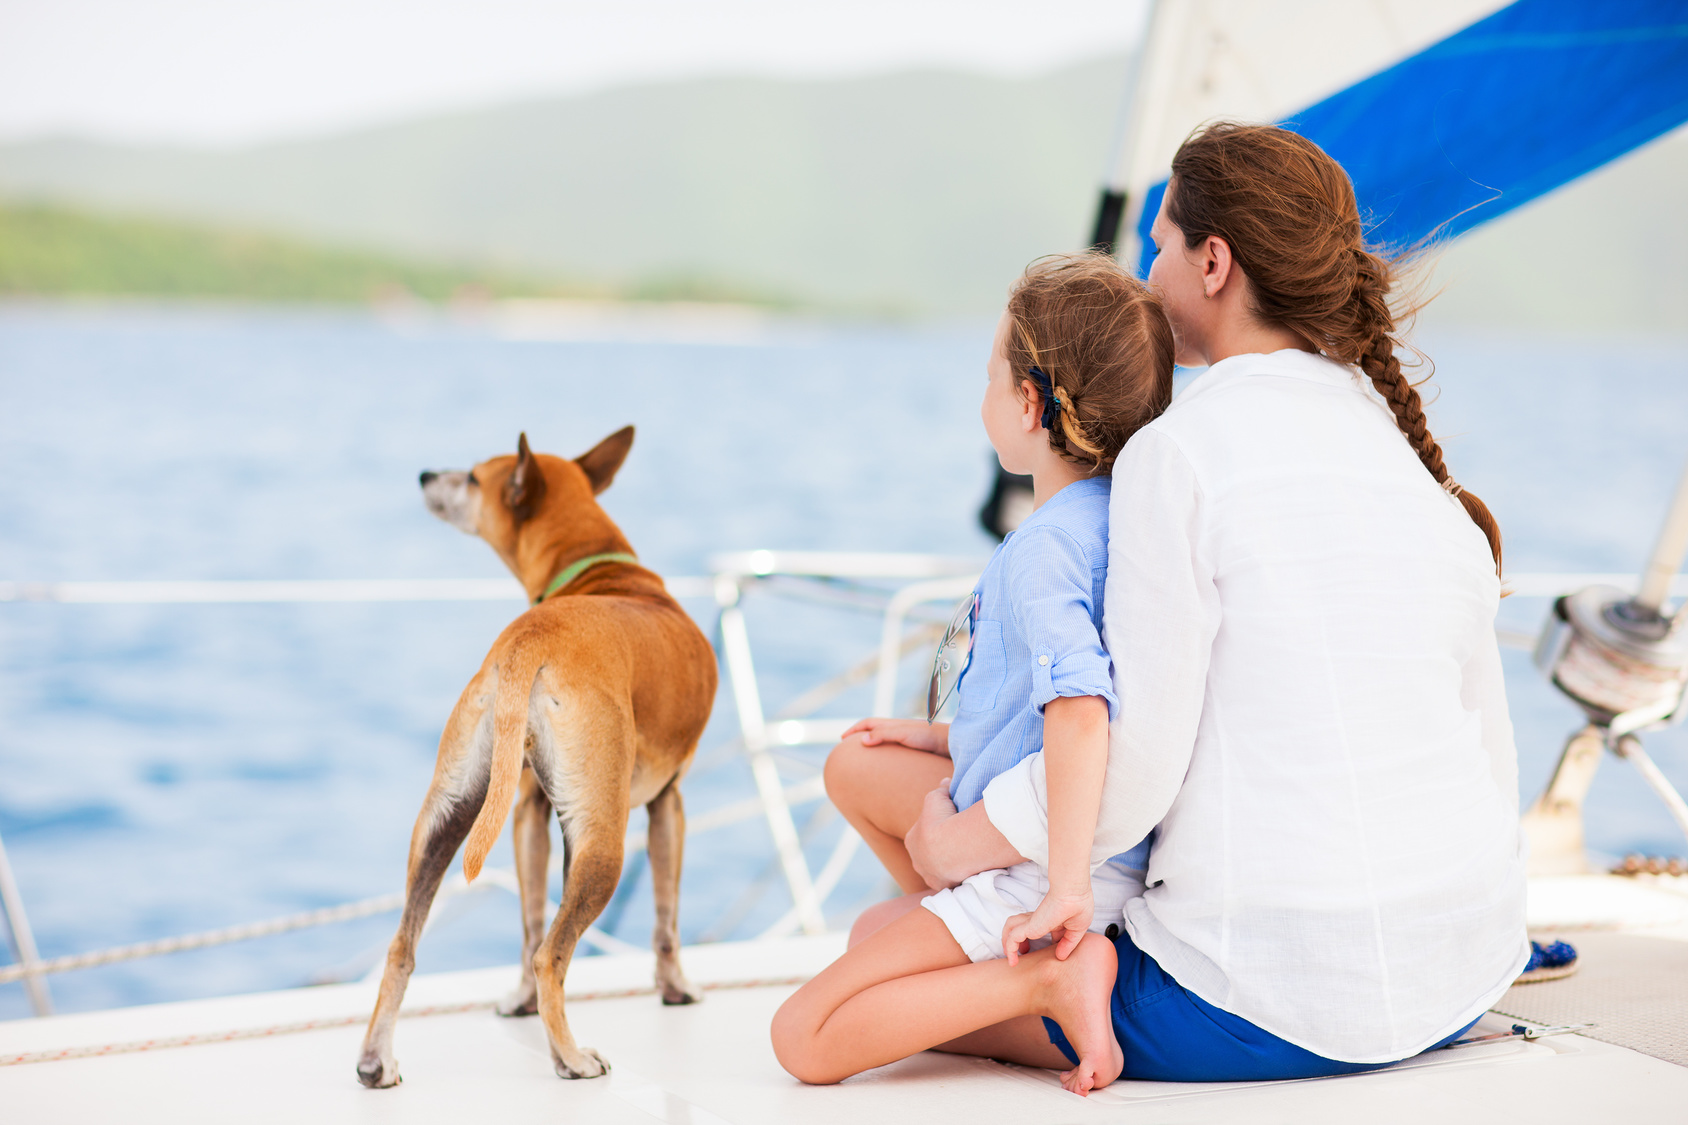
{"points": [[1082, 360]]}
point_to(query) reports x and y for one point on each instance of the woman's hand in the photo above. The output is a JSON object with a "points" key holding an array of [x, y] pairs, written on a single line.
{"points": [[913, 733], [924, 838], [1066, 915], [946, 846]]}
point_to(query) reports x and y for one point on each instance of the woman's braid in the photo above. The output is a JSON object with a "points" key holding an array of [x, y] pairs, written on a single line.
{"points": [[1383, 367], [1376, 324]]}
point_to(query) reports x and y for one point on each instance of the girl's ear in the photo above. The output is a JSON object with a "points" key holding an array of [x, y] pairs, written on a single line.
{"points": [[1031, 407]]}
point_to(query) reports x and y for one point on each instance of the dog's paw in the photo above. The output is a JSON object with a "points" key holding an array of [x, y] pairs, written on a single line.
{"points": [[378, 1074], [679, 992], [587, 1064], [524, 1001]]}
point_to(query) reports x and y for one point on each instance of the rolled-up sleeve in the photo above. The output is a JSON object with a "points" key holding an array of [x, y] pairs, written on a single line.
{"points": [[1056, 614]]}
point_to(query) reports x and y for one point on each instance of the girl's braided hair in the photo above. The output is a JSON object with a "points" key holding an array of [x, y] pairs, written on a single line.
{"points": [[1102, 339], [1288, 213]]}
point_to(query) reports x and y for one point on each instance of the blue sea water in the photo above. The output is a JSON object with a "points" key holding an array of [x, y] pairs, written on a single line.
{"points": [[165, 769]]}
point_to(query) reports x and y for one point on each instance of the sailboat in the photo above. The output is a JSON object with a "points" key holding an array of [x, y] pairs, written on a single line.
{"points": [[1448, 114]]}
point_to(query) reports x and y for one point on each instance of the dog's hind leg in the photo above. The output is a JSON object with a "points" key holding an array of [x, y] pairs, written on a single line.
{"points": [[594, 836], [666, 843], [532, 837], [454, 798], [593, 866]]}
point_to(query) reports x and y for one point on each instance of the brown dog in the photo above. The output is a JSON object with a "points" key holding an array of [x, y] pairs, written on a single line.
{"points": [[595, 699]]}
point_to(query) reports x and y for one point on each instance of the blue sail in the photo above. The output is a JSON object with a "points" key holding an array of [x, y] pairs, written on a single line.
{"points": [[1498, 114]]}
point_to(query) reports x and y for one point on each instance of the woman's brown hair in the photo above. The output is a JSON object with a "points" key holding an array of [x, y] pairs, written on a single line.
{"points": [[1102, 339], [1288, 213]]}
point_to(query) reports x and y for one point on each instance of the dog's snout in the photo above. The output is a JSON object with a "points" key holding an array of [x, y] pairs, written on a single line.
{"points": [[445, 494]]}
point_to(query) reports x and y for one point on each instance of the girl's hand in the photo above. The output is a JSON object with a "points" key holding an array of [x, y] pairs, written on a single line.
{"points": [[1065, 915], [912, 733]]}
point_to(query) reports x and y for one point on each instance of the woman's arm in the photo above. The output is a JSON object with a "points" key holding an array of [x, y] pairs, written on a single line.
{"points": [[1483, 689], [1160, 615], [947, 847]]}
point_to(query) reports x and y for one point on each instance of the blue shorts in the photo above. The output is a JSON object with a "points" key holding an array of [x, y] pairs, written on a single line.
{"points": [[1169, 1034]]}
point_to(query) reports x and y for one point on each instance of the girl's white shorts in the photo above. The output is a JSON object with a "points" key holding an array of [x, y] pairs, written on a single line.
{"points": [[977, 910]]}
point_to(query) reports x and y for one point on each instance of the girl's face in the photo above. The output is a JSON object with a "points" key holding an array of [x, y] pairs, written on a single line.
{"points": [[1013, 424]]}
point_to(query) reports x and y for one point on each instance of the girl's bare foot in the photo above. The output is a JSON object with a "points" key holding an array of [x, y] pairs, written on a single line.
{"points": [[1078, 996]]}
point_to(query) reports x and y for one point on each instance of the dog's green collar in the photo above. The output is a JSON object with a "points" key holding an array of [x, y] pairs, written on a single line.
{"points": [[580, 566]]}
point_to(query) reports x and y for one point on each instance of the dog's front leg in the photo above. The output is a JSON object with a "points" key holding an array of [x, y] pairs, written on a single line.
{"points": [[593, 846], [532, 838], [667, 841]]}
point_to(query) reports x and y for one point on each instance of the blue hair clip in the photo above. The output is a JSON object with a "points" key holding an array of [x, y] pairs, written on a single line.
{"points": [[1046, 388]]}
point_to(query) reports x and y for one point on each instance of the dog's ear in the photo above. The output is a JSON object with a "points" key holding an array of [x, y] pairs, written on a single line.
{"points": [[525, 486], [603, 460]]}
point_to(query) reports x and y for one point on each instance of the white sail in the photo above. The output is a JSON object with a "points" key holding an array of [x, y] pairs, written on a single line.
{"points": [[1249, 60]]}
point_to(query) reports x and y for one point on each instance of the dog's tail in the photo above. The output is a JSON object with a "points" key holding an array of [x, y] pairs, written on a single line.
{"points": [[509, 733]]}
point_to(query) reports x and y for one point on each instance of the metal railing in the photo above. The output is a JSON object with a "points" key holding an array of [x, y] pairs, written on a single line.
{"points": [[925, 578], [759, 734]]}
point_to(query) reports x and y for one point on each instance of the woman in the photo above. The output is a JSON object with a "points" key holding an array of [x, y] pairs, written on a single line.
{"points": [[1299, 608]]}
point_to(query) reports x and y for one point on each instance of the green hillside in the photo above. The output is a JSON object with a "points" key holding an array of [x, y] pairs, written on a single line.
{"points": [[49, 250], [920, 193]]}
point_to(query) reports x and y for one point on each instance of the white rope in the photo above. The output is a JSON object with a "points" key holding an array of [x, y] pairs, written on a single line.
{"points": [[800, 793], [138, 1045], [1526, 585], [362, 909], [297, 590]]}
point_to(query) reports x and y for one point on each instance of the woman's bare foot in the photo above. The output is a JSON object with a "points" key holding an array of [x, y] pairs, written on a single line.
{"points": [[1078, 997]]}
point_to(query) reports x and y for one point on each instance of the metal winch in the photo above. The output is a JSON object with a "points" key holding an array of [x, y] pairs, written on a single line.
{"points": [[1624, 660], [1621, 660]]}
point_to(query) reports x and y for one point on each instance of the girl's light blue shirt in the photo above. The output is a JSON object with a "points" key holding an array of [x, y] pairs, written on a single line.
{"points": [[1038, 636]]}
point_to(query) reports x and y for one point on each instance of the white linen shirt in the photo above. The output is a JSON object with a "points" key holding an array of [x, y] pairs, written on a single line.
{"points": [[1311, 709]]}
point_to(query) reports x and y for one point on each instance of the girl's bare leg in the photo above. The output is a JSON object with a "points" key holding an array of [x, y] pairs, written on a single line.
{"points": [[882, 914], [909, 987], [880, 790]]}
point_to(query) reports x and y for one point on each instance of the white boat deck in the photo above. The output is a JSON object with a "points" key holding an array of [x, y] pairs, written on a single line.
{"points": [[253, 1058]]}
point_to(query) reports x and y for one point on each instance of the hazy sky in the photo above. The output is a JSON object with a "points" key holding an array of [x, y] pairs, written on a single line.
{"points": [[234, 71]]}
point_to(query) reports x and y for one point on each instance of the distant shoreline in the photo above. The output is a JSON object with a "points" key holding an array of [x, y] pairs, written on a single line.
{"points": [[52, 251]]}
